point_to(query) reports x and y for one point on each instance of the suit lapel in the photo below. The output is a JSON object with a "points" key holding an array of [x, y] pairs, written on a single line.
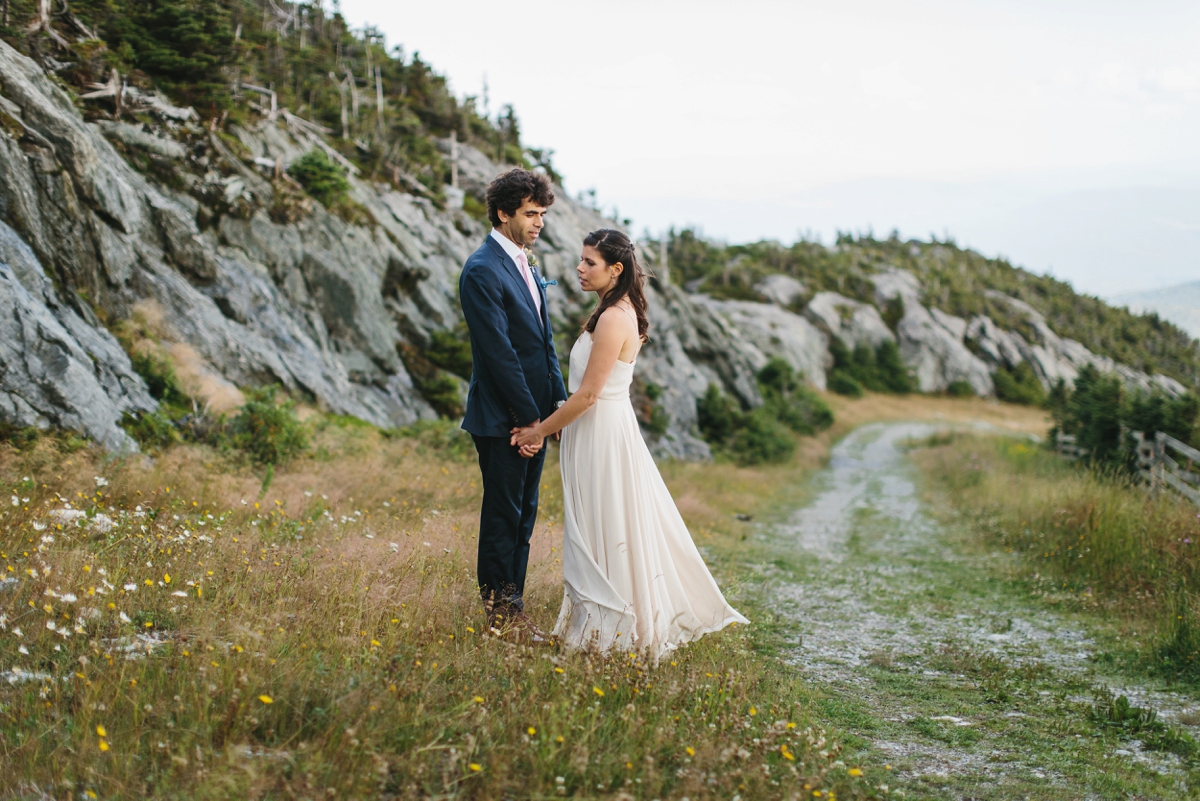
{"points": [[515, 273]]}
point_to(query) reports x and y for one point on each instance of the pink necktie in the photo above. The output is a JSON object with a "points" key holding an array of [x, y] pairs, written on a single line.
{"points": [[528, 273]]}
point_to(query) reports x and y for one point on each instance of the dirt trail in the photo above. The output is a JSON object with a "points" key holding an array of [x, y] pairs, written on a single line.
{"points": [[944, 669]]}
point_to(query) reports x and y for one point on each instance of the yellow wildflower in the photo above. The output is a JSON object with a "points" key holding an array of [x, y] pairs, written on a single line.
{"points": [[598, 691], [475, 767], [101, 731], [103, 745], [690, 751], [855, 772], [266, 699], [531, 731]]}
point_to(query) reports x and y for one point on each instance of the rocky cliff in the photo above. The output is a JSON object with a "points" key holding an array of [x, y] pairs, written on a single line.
{"points": [[246, 282]]}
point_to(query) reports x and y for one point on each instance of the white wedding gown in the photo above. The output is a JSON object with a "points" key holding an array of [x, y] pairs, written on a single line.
{"points": [[633, 577]]}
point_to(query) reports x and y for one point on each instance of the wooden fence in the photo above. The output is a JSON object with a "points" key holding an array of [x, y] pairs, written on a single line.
{"points": [[1163, 462], [1158, 465], [1065, 444]]}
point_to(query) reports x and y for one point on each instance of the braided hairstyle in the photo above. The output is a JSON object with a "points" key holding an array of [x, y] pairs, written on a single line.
{"points": [[615, 246]]}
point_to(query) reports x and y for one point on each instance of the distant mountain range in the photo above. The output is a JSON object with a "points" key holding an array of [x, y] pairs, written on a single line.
{"points": [[1180, 304]]}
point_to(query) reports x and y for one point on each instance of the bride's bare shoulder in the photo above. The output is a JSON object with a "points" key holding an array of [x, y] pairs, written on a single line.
{"points": [[618, 314]]}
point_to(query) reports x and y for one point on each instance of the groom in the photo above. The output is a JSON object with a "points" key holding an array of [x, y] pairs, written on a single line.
{"points": [[515, 382]]}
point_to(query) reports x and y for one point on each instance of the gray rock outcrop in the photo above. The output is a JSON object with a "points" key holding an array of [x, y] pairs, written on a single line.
{"points": [[1050, 356], [782, 290], [258, 284], [765, 330], [848, 320], [931, 345]]}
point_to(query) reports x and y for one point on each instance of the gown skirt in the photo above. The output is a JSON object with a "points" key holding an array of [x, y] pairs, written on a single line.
{"points": [[634, 580]]}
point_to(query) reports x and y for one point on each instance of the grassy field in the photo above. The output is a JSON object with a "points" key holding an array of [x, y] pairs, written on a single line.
{"points": [[180, 628], [1091, 540]]}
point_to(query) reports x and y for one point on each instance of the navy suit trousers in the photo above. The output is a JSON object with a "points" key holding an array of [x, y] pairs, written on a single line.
{"points": [[510, 503]]}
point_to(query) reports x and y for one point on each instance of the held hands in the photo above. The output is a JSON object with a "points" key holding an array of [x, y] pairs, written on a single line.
{"points": [[528, 439]]}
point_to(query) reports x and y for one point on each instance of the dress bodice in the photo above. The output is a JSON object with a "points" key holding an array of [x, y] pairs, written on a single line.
{"points": [[617, 386]]}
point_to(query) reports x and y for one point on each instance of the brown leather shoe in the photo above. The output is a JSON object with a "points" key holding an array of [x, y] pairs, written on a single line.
{"points": [[530, 633]]}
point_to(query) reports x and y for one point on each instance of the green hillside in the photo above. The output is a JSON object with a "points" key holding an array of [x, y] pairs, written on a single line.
{"points": [[203, 52], [383, 109], [953, 279]]}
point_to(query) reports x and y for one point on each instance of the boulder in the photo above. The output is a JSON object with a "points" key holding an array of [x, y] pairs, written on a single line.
{"points": [[772, 331], [48, 378], [848, 320], [934, 351], [782, 290]]}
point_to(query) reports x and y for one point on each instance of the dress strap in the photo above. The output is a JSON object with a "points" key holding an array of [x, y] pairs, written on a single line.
{"points": [[632, 313]]}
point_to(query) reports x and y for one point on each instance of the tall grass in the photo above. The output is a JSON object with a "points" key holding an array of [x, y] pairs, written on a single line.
{"points": [[1089, 532], [166, 632]]}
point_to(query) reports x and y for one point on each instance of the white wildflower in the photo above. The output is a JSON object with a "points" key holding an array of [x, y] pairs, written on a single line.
{"points": [[130, 587], [179, 594], [124, 618], [16, 501], [39, 526], [68, 598], [50, 624], [102, 524], [21, 649], [101, 481]]}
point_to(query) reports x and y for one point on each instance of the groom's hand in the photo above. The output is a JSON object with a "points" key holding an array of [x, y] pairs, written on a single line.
{"points": [[526, 438]]}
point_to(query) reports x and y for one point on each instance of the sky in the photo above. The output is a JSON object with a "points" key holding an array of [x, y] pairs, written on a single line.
{"points": [[1060, 134]]}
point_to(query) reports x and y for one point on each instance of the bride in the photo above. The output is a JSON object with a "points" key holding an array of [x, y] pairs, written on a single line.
{"points": [[633, 577]]}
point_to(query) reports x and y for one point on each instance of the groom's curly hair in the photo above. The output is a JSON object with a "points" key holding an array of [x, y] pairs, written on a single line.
{"points": [[509, 190]]}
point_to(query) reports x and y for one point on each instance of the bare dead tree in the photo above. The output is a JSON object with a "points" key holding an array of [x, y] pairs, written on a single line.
{"points": [[114, 89], [379, 99], [42, 23], [343, 87]]}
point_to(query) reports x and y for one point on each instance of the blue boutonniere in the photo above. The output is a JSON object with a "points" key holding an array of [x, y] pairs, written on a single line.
{"points": [[547, 283]]}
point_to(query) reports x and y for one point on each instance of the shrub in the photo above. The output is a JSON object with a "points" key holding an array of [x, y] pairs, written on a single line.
{"points": [[439, 388], [1019, 385], [717, 416], [19, 437], [451, 350], [878, 369], [843, 383], [153, 431], [266, 430], [320, 177], [1178, 417], [650, 413], [1095, 411], [161, 381], [892, 370], [761, 438], [960, 389], [793, 403], [762, 435], [442, 392]]}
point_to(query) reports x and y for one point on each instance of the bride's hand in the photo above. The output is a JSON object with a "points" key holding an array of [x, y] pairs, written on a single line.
{"points": [[528, 440]]}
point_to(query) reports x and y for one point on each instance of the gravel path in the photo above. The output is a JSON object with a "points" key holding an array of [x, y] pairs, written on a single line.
{"points": [[944, 669]]}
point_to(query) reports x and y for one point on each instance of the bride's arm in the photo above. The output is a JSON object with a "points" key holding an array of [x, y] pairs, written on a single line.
{"points": [[607, 339]]}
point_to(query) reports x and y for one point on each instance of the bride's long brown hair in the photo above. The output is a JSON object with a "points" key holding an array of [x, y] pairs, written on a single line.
{"points": [[615, 246]]}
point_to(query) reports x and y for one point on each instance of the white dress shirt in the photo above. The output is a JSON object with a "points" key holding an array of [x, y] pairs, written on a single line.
{"points": [[518, 256]]}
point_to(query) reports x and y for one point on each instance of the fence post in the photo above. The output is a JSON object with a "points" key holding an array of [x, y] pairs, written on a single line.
{"points": [[1160, 458]]}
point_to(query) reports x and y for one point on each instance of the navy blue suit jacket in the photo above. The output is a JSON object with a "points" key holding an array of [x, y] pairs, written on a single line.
{"points": [[515, 378]]}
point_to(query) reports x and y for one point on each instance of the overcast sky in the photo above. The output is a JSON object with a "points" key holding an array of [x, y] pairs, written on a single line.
{"points": [[1062, 135]]}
